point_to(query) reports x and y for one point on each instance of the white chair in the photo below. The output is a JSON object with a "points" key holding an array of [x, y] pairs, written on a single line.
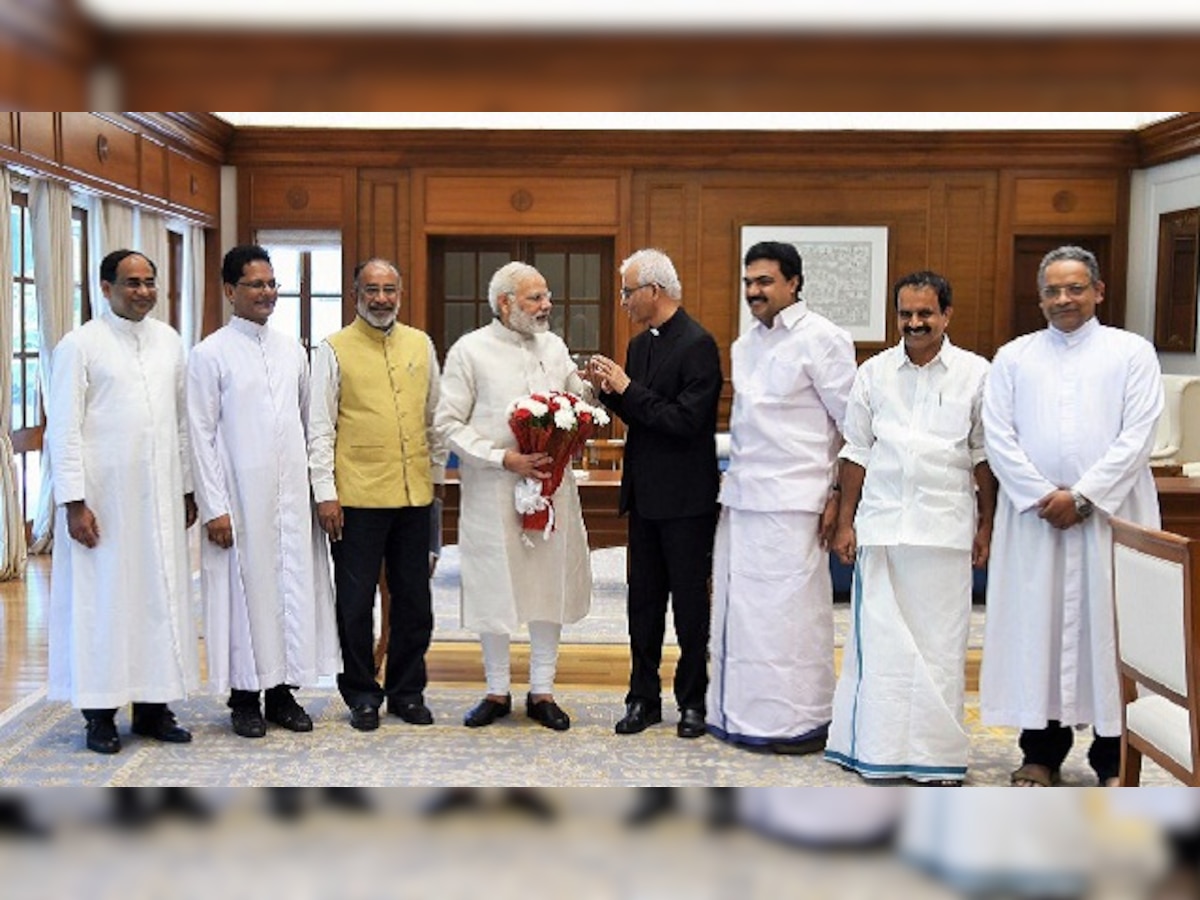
{"points": [[1177, 440], [1158, 650]]}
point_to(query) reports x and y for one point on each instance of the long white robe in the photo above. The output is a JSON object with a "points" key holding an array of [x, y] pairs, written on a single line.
{"points": [[121, 627], [268, 599], [507, 582], [1075, 410]]}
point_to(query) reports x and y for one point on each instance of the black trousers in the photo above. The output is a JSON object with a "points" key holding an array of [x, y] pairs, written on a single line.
{"points": [[669, 557], [397, 539], [1049, 747]]}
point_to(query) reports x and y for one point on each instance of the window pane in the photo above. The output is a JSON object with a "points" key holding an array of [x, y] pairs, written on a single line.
{"points": [[585, 276], [557, 314], [77, 306], [27, 240], [33, 394], [18, 396], [18, 292], [286, 317], [286, 263], [327, 271], [31, 320], [583, 335], [33, 482], [553, 267], [14, 224], [326, 318], [20, 467], [489, 262], [460, 276], [460, 318]]}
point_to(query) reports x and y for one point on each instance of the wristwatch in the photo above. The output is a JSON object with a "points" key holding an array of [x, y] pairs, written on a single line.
{"points": [[1083, 506]]}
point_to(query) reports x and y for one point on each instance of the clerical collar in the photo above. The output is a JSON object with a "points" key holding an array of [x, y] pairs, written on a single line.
{"points": [[1072, 338], [246, 327], [660, 330]]}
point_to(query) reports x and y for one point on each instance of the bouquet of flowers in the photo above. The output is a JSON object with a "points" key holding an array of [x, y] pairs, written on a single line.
{"points": [[556, 423]]}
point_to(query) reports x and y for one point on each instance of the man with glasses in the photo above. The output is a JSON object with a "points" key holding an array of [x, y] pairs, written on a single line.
{"points": [[667, 396], [374, 461], [268, 599], [1069, 418], [512, 578], [120, 612], [772, 647]]}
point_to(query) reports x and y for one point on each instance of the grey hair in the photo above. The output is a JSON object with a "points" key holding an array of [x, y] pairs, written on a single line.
{"points": [[655, 267], [506, 280], [1068, 254], [358, 270]]}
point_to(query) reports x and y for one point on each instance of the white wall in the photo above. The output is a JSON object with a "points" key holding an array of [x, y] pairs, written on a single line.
{"points": [[1155, 191]]}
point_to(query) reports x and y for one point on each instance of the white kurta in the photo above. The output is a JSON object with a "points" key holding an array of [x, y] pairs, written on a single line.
{"points": [[771, 646], [505, 581], [1076, 411], [121, 627], [918, 433], [268, 599]]}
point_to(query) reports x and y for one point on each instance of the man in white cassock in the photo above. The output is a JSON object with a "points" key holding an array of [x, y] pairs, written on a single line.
{"points": [[912, 525], [1069, 418], [772, 681], [510, 579], [121, 627], [268, 597]]}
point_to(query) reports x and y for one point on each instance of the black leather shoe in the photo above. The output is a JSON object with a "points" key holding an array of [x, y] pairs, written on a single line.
{"points": [[364, 717], [548, 713], [416, 713], [248, 722], [289, 715], [161, 727], [639, 715], [102, 736], [486, 711], [691, 723], [800, 748]]}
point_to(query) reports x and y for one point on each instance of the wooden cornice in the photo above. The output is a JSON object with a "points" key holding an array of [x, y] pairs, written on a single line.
{"points": [[1174, 138], [200, 133], [711, 150]]}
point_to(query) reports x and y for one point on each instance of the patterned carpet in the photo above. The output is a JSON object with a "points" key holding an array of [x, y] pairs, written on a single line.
{"points": [[42, 745]]}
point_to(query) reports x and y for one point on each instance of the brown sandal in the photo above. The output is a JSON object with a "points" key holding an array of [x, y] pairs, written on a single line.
{"points": [[1035, 775]]}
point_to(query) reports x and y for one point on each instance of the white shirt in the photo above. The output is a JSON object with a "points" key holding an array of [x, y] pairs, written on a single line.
{"points": [[918, 431], [791, 383], [323, 417]]}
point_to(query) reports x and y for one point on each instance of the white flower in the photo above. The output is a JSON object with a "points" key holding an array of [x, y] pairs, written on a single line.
{"points": [[536, 408], [564, 418]]}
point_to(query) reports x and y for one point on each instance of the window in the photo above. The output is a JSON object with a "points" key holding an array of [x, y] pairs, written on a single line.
{"points": [[26, 392], [308, 267]]}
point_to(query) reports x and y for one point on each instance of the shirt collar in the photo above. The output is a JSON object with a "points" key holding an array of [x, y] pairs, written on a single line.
{"points": [[942, 358], [125, 326], [370, 330], [789, 317], [1076, 337], [248, 328]]}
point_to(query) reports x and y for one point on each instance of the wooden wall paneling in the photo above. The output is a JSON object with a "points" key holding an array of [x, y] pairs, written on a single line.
{"points": [[965, 254], [37, 134], [383, 231], [93, 144], [152, 177], [8, 129], [296, 198], [488, 201], [1065, 202], [192, 183]]}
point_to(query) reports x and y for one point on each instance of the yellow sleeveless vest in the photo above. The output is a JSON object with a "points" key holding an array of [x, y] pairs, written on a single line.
{"points": [[381, 455]]}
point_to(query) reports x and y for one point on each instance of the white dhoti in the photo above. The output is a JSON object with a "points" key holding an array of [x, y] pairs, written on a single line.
{"points": [[771, 647], [898, 709]]}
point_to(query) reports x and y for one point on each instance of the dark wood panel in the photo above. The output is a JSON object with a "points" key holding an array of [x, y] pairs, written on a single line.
{"points": [[37, 130], [153, 172], [1166, 141], [99, 147], [8, 129], [1066, 202], [193, 183], [517, 201], [1179, 500], [302, 199]]}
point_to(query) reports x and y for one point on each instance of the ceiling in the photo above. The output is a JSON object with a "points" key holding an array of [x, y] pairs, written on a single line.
{"points": [[714, 121]]}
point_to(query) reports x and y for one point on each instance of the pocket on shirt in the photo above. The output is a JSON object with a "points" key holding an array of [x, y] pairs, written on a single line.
{"points": [[951, 419]]}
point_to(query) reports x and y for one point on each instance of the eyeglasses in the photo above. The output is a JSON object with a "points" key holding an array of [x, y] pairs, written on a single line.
{"points": [[536, 298], [1054, 291], [374, 290], [260, 285], [627, 292], [135, 284]]}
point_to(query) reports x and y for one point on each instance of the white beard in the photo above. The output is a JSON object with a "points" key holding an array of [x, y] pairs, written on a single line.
{"points": [[526, 323]]}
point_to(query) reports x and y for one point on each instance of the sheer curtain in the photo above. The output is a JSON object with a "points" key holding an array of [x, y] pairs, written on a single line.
{"points": [[12, 522], [50, 214], [192, 320], [153, 244], [111, 229]]}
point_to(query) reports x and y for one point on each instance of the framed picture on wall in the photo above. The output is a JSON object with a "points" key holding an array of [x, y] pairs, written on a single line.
{"points": [[845, 274]]}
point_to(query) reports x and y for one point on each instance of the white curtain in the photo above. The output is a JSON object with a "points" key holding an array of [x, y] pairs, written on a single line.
{"points": [[153, 244], [12, 522], [112, 229], [192, 320], [50, 215]]}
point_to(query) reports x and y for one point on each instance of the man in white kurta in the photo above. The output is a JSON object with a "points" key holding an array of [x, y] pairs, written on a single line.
{"points": [[908, 523], [121, 627], [772, 680], [268, 597], [512, 578], [1069, 419]]}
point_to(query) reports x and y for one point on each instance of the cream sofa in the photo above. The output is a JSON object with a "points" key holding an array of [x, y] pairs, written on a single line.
{"points": [[1178, 437]]}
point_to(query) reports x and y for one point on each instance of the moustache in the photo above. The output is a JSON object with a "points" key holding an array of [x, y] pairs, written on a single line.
{"points": [[924, 329]]}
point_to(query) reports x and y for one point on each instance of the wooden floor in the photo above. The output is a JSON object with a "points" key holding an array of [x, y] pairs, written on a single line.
{"points": [[23, 668]]}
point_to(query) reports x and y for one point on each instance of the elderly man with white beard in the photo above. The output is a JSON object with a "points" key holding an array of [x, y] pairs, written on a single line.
{"points": [[374, 461], [506, 581]]}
